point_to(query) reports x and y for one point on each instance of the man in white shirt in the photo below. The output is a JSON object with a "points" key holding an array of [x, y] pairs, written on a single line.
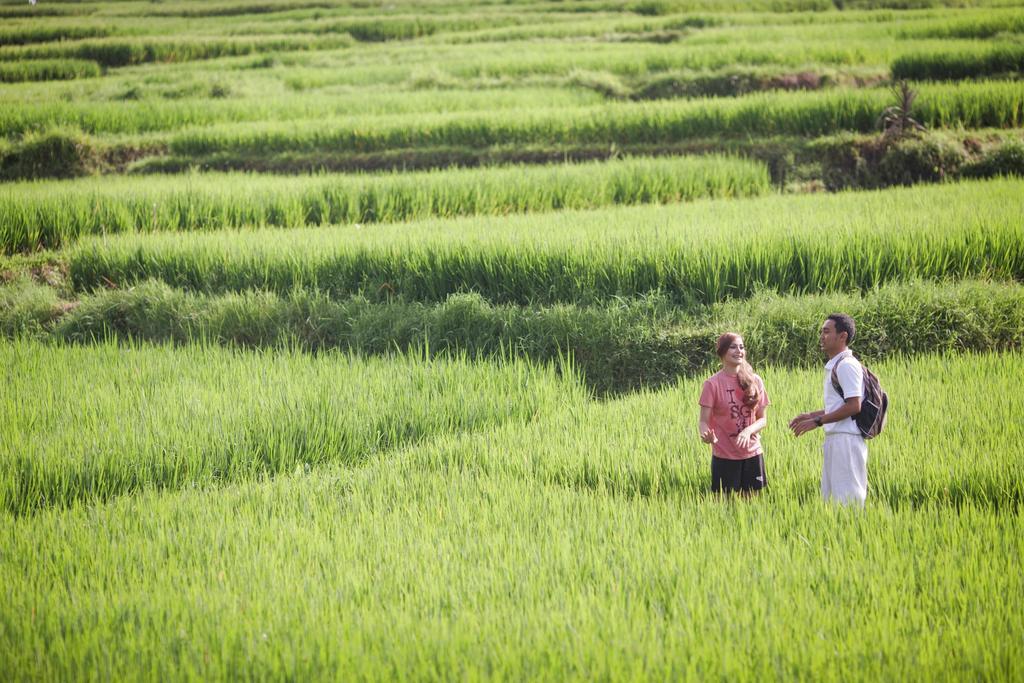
{"points": [[844, 473]]}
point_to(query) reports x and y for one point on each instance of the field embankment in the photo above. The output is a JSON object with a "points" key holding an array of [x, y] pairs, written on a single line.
{"points": [[616, 347]]}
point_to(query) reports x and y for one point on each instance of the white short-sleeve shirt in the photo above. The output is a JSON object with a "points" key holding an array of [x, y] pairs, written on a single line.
{"points": [[851, 378]]}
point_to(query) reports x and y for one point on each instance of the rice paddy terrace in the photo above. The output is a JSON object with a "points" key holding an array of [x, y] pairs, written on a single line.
{"points": [[344, 339]]}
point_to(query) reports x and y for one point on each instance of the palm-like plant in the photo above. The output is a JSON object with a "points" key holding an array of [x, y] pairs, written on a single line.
{"points": [[896, 120]]}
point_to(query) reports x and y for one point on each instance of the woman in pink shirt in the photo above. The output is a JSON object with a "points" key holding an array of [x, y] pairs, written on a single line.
{"points": [[733, 409]]}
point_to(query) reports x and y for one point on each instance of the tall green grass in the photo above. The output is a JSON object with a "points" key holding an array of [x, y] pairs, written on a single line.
{"points": [[583, 544], [134, 418], [817, 113], [702, 252], [51, 214]]}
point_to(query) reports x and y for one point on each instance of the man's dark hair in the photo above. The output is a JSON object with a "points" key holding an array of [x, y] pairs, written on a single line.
{"points": [[844, 323]]}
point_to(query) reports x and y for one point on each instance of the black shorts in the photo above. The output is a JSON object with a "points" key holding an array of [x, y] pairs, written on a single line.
{"points": [[738, 475]]}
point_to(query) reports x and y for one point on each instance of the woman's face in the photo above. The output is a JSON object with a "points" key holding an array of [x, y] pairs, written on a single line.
{"points": [[736, 353]]}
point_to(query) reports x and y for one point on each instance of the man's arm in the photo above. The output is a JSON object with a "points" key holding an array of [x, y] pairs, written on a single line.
{"points": [[805, 416], [849, 408]]}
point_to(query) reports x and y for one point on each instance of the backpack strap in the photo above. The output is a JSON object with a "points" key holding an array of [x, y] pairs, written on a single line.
{"points": [[835, 380]]}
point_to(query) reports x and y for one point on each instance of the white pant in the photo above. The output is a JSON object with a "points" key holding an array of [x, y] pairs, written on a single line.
{"points": [[844, 474]]}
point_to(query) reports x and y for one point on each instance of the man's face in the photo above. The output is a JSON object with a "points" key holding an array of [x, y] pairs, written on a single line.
{"points": [[829, 340]]}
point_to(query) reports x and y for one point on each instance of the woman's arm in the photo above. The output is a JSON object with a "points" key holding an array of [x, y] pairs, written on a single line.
{"points": [[707, 434], [747, 435]]}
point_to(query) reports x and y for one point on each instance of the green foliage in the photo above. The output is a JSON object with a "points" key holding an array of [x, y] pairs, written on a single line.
{"points": [[25, 11], [855, 161], [894, 321], [400, 29], [253, 512], [726, 83], [982, 27], [154, 107], [607, 85], [234, 9]]}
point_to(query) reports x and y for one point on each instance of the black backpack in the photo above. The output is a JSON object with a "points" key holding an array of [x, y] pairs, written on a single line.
{"points": [[873, 404]]}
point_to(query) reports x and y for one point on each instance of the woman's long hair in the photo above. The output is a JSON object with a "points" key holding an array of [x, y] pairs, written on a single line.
{"points": [[744, 372]]}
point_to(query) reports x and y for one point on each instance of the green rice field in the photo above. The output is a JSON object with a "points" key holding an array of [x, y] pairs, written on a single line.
{"points": [[346, 340], [579, 543]]}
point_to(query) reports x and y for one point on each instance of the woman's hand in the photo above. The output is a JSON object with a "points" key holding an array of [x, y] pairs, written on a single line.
{"points": [[707, 434], [744, 439]]}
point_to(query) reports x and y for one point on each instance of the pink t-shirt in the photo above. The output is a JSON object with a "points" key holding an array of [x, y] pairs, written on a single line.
{"points": [[722, 393]]}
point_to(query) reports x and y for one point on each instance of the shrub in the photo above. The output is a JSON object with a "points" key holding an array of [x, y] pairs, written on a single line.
{"points": [[854, 161], [914, 160], [27, 309], [725, 84], [606, 84], [56, 153], [1004, 160], [651, 8]]}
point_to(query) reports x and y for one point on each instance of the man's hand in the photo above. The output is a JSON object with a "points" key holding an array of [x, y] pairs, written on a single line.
{"points": [[800, 418], [802, 426], [707, 434]]}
